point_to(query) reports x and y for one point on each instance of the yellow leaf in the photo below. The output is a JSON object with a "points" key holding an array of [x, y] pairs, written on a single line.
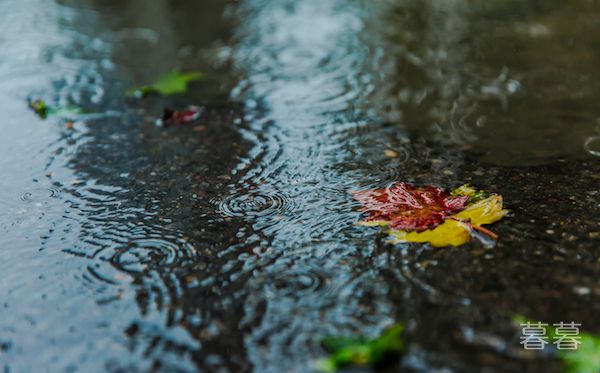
{"points": [[455, 232], [483, 212], [464, 190], [449, 233]]}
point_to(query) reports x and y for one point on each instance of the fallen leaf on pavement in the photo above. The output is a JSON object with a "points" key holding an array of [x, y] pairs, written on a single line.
{"points": [[404, 206], [428, 214]]}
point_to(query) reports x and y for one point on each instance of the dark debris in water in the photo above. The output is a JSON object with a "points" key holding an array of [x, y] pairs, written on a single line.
{"points": [[176, 117]]}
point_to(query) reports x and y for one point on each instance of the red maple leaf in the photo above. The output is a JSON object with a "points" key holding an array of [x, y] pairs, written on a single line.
{"points": [[409, 208]]}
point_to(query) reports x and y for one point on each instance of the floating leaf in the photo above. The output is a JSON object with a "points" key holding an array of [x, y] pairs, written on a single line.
{"points": [[361, 351], [486, 211], [173, 117], [404, 206], [43, 110], [65, 111], [40, 108], [430, 215], [169, 84], [457, 229], [450, 233]]}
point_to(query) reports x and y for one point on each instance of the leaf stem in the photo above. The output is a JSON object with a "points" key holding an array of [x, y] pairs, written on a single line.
{"points": [[478, 228], [485, 230]]}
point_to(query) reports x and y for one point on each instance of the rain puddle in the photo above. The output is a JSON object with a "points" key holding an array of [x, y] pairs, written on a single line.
{"points": [[230, 243]]}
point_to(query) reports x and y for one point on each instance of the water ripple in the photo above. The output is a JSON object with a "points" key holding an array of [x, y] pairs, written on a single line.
{"points": [[141, 255], [297, 282], [256, 204], [39, 195]]}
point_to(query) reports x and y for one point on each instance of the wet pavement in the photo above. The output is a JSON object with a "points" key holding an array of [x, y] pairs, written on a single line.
{"points": [[230, 244]]}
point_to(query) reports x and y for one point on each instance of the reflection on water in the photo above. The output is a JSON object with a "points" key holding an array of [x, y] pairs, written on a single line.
{"points": [[511, 80], [230, 244]]}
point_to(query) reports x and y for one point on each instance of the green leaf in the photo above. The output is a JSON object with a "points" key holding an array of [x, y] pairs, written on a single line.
{"points": [[65, 111], [170, 83], [43, 110], [40, 108], [360, 351], [586, 359]]}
